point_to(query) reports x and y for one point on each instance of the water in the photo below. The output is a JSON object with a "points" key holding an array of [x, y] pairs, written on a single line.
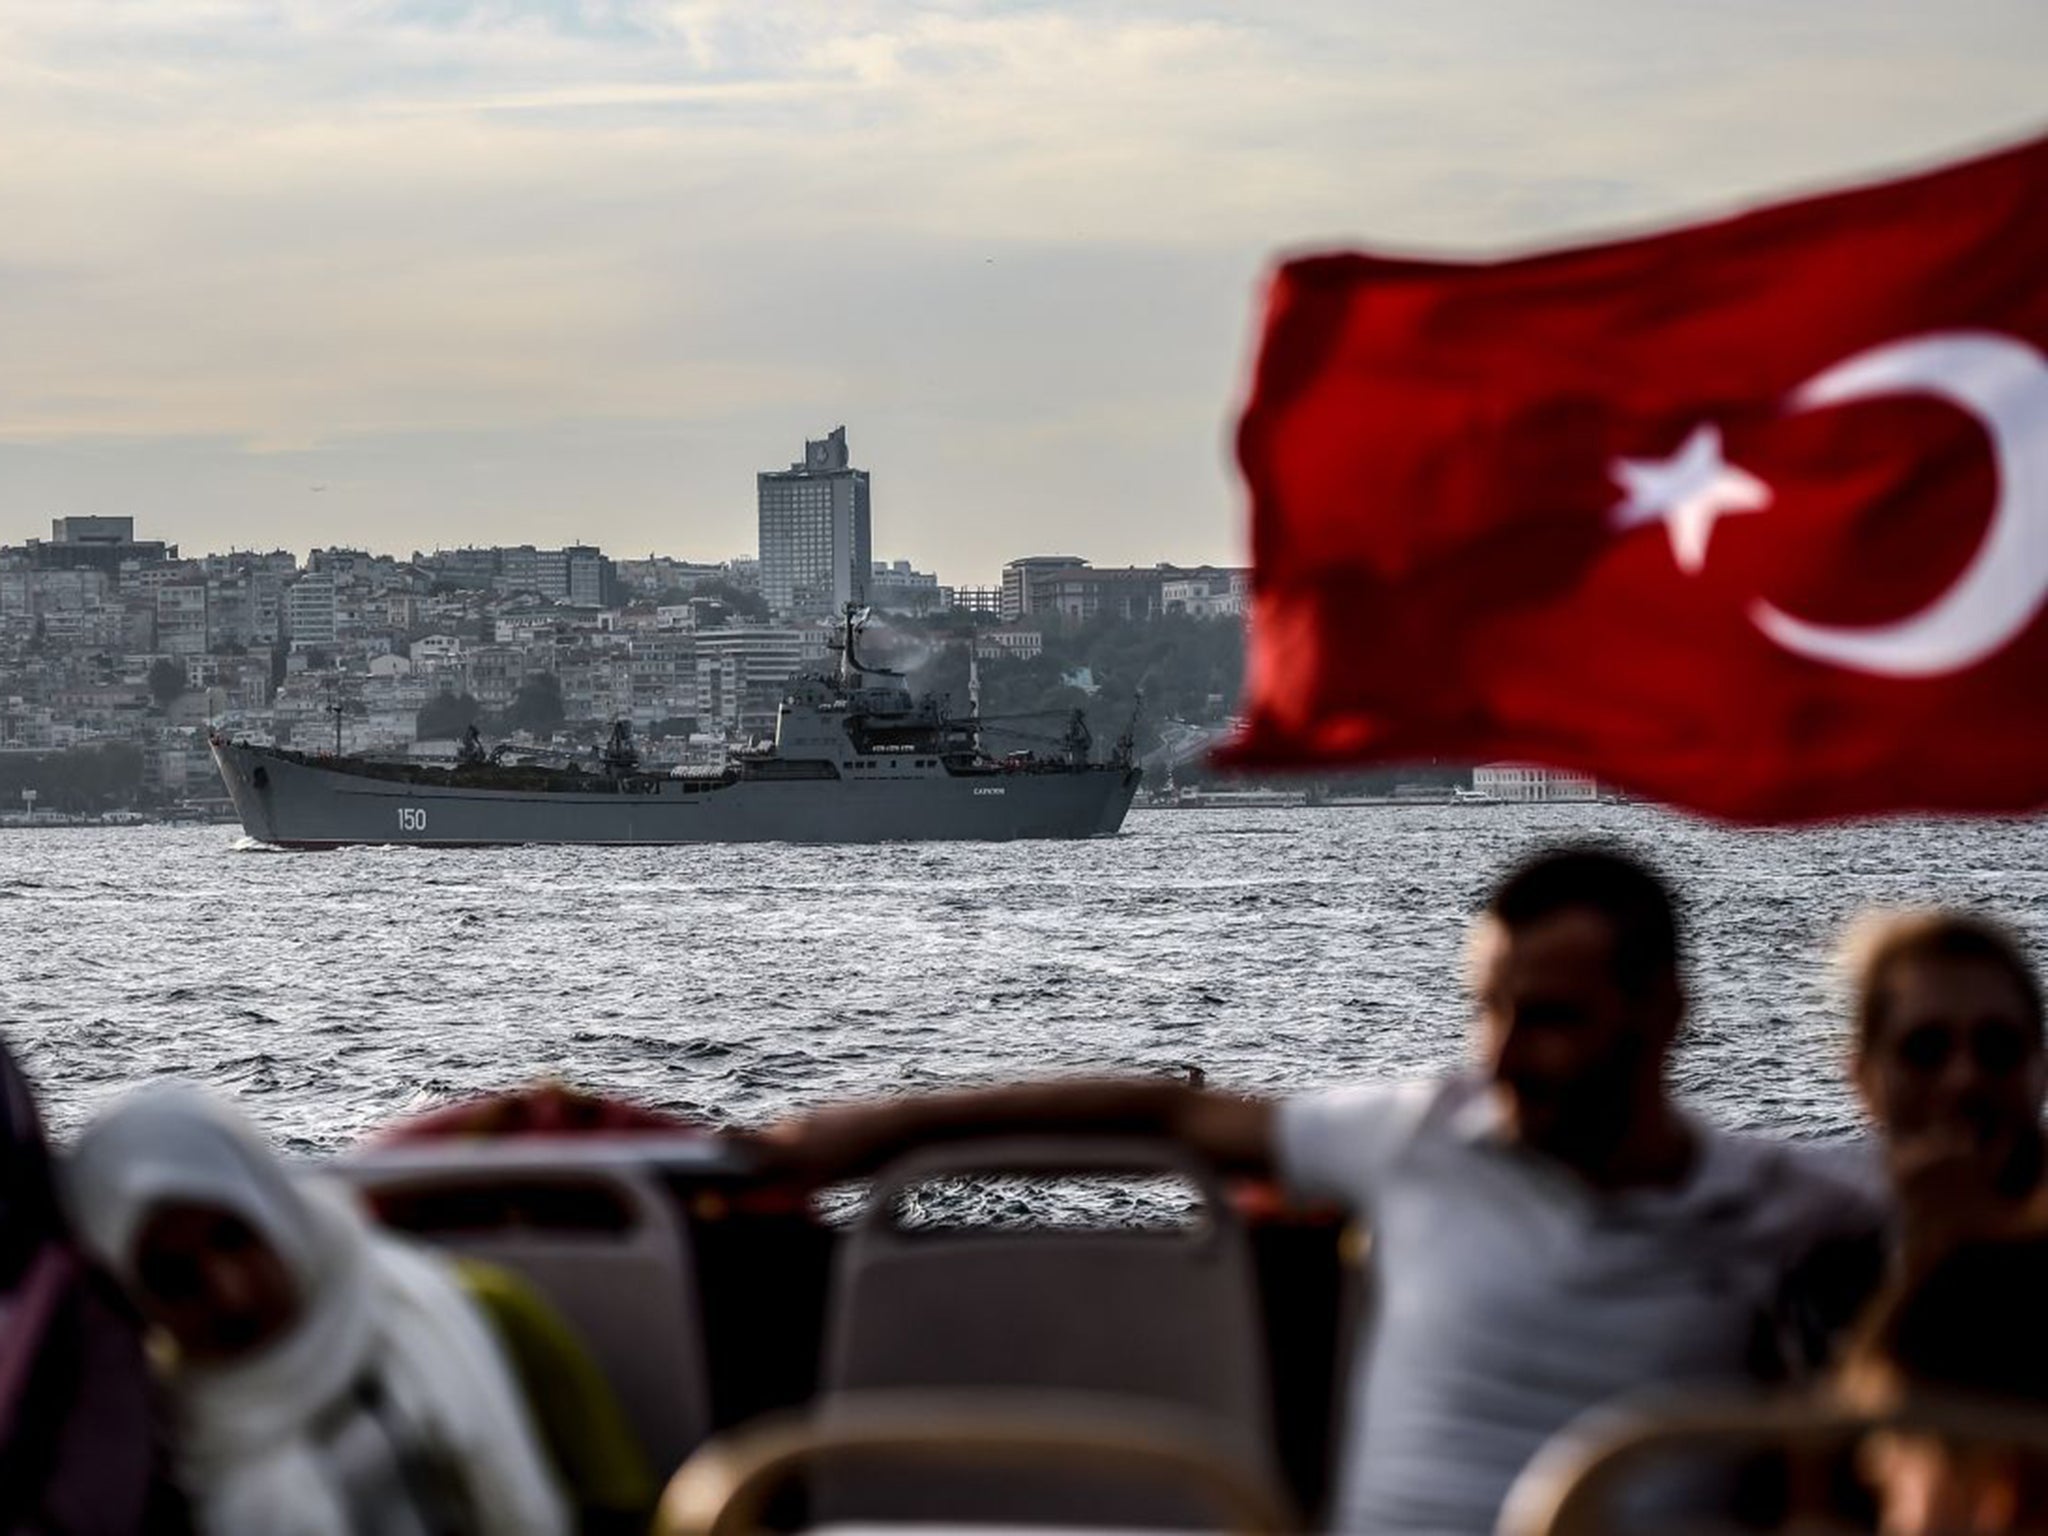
{"points": [[1278, 950]]}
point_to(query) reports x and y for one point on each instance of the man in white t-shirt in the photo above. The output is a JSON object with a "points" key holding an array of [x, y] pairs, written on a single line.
{"points": [[1550, 1231]]}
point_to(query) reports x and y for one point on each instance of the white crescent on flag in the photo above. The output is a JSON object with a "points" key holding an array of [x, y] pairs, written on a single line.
{"points": [[2004, 384]]}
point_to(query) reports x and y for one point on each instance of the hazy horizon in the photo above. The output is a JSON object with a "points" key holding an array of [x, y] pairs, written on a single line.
{"points": [[420, 273]]}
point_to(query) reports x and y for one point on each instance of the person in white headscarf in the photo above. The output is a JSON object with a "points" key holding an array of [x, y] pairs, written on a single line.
{"points": [[327, 1380]]}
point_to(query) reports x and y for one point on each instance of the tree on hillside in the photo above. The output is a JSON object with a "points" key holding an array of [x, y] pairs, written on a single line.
{"points": [[166, 682], [537, 706], [96, 778], [447, 715]]}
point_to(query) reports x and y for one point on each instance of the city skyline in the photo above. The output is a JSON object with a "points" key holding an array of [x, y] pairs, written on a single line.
{"points": [[290, 274]]}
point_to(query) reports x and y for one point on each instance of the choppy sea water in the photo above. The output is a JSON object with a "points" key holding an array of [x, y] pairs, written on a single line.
{"points": [[1278, 950]]}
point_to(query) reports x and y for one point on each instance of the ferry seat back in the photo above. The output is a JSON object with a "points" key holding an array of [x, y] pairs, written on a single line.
{"points": [[603, 1242], [1166, 1318]]}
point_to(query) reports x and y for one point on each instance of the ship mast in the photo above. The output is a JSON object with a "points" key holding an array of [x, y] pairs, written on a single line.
{"points": [[974, 692], [336, 707]]}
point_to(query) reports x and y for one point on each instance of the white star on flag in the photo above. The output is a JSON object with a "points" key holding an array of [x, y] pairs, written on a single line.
{"points": [[1688, 493]]}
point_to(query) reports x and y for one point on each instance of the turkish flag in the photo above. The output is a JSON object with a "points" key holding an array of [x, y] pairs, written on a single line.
{"points": [[1751, 516]]}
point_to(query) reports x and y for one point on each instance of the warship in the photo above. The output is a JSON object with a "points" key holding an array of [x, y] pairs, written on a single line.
{"points": [[854, 759]]}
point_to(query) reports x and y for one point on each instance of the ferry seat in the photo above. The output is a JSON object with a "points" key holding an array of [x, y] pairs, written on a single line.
{"points": [[1742, 1464], [593, 1229], [730, 1487], [1166, 1318]]}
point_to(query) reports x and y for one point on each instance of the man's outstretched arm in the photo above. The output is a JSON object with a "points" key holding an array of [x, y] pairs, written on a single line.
{"points": [[846, 1141]]}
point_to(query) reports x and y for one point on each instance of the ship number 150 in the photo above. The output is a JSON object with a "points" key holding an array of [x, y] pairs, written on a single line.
{"points": [[412, 818]]}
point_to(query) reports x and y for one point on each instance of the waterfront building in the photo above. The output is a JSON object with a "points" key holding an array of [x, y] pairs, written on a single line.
{"points": [[1520, 782], [816, 541]]}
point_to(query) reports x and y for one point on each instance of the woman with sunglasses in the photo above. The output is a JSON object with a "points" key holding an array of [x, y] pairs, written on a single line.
{"points": [[327, 1380], [1948, 1060], [1947, 1056]]}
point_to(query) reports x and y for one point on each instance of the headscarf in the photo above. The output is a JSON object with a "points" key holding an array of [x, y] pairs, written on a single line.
{"points": [[385, 1405], [79, 1449]]}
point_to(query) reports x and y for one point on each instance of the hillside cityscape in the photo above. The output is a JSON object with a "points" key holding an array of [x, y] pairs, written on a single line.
{"points": [[119, 653]]}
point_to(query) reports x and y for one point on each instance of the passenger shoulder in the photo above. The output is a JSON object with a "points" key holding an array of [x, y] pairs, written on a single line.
{"points": [[1830, 1188], [1341, 1143]]}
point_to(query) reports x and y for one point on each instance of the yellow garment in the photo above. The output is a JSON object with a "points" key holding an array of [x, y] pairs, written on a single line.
{"points": [[595, 1452]]}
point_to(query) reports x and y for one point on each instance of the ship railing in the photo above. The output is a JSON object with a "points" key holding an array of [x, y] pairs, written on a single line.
{"points": [[1681, 1463], [692, 1155], [725, 1317], [1088, 1441]]}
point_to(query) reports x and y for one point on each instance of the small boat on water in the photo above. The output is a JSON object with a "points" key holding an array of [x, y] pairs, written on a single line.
{"points": [[855, 759]]}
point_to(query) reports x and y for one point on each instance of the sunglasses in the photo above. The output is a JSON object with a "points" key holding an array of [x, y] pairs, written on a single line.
{"points": [[1995, 1051]]}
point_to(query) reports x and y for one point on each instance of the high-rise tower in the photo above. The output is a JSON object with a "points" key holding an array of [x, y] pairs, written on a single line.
{"points": [[816, 543]]}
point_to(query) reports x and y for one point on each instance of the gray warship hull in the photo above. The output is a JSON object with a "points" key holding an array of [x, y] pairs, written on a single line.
{"points": [[298, 801]]}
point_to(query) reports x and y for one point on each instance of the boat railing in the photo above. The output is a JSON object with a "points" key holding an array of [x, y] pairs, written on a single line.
{"points": [[688, 1155], [728, 1486], [711, 1293], [1590, 1480]]}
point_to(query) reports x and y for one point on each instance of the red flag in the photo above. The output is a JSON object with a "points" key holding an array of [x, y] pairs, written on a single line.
{"points": [[1751, 517]]}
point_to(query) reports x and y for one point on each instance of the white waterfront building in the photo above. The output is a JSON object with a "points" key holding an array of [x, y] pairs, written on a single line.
{"points": [[1520, 781]]}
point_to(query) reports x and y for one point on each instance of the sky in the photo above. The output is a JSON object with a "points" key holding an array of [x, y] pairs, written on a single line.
{"points": [[407, 274]]}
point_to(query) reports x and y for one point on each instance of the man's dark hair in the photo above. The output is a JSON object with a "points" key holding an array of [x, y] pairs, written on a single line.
{"points": [[1970, 1321], [1881, 945], [1635, 902]]}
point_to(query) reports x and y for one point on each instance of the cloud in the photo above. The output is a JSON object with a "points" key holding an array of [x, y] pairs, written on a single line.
{"points": [[1014, 246]]}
